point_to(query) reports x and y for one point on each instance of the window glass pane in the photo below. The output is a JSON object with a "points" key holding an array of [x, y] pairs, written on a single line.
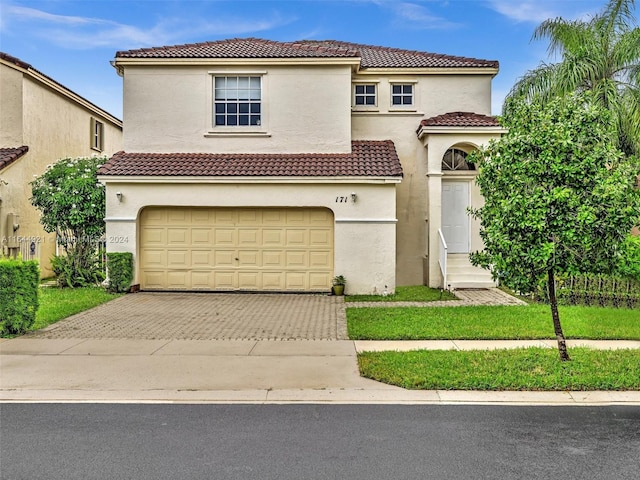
{"points": [[232, 108], [220, 82], [243, 82], [244, 119], [243, 108], [407, 89], [254, 94], [232, 82], [396, 100], [219, 107], [220, 94], [406, 100], [255, 119], [219, 119], [359, 100], [243, 94], [370, 100], [371, 89], [359, 89], [255, 108], [232, 120], [255, 82], [397, 89]]}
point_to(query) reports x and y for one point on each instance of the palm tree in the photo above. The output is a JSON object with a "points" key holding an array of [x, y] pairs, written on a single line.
{"points": [[601, 54]]}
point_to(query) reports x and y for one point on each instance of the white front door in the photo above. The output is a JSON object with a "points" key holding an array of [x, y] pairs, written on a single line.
{"points": [[455, 219]]}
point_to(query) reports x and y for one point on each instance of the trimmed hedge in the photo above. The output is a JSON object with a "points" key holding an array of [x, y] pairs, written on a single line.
{"points": [[19, 282], [120, 268]]}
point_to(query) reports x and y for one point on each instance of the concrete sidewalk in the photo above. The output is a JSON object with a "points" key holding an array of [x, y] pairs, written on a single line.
{"points": [[235, 371]]}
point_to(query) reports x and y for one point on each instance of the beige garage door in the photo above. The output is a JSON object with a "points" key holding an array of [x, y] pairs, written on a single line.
{"points": [[236, 249]]}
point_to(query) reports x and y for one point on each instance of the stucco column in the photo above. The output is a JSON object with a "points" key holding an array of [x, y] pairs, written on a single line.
{"points": [[434, 182]]}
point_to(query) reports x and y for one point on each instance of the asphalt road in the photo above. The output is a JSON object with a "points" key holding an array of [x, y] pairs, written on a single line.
{"points": [[106, 441]]}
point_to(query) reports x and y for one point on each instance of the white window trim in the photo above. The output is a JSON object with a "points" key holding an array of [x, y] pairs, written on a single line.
{"points": [[403, 108], [96, 136], [365, 108], [213, 130]]}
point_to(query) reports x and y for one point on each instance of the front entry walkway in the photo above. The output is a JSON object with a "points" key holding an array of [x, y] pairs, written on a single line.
{"points": [[208, 316]]}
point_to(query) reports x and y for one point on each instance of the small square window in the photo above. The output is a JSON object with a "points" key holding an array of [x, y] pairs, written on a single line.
{"points": [[402, 95], [365, 95]]}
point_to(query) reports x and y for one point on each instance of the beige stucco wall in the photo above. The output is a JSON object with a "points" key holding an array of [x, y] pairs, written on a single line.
{"points": [[435, 95], [364, 231], [304, 109], [436, 145], [53, 126]]}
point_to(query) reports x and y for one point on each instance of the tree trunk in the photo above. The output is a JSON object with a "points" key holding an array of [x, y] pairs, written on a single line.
{"points": [[553, 302]]}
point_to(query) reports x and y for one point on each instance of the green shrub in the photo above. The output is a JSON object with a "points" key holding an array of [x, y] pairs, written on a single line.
{"points": [[19, 293], [629, 264], [593, 290], [77, 270], [120, 268]]}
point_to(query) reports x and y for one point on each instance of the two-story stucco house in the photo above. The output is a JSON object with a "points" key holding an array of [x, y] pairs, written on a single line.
{"points": [[41, 121], [252, 164]]}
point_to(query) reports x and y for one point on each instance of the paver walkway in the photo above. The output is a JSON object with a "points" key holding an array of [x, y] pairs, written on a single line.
{"points": [[467, 297]]}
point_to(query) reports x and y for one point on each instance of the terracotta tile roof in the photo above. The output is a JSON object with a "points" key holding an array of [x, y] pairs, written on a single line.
{"points": [[10, 155], [367, 159], [460, 119], [371, 56]]}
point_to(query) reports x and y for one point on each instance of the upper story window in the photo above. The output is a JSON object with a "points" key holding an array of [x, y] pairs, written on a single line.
{"points": [[97, 135], [456, 159], [365, 95], [401, 95], [237, 101]]}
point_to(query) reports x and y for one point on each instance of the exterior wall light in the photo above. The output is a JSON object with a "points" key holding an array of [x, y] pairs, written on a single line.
{"points": [[354, 197], [119, 195]]}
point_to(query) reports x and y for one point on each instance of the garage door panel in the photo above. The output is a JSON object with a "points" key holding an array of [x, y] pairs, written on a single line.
{"points": [[154, 258], [178, 279], [297, 237], [202, 258], [298, 259], [178, 236], [225, 280], [272, 281], [296, 281], [154, 236], [178, 258], [236, 248]]}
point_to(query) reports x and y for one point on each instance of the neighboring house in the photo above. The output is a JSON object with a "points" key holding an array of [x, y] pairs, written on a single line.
{"points": [[41, 121], [252, 164]]}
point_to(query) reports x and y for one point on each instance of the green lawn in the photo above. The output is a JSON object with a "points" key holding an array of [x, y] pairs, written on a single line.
{"points": [[519, 369], [414, 293], [59, 303], [490, 322]]}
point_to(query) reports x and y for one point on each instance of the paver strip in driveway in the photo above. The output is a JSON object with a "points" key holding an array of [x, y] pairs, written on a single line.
{"points": [[208, 316]]}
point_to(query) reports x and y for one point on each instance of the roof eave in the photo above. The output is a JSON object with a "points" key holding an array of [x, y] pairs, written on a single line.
{"points": [[426, 130], [175, 179], [428, 70], [121, 62]]}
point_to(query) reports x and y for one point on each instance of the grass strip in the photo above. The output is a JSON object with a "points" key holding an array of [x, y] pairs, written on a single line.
{"points": [[536, 369], [414, 293], [59, 303], [526, 322]]}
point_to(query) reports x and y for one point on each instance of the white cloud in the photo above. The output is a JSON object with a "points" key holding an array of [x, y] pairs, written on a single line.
{"points": [[537, 11], [417, 16], [81, 33]]}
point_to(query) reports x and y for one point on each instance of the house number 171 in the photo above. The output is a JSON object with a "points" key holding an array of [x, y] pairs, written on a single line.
{"points": [[342, 199]]}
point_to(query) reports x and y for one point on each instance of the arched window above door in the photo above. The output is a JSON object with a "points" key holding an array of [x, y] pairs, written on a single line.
{"points": [[456, 159]]}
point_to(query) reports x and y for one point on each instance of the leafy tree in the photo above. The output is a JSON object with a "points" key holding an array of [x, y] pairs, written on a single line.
{"points": [[601, 55], [72, 204], [559, 196]]}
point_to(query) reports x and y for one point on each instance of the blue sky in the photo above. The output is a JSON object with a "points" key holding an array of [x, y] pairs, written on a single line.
{"points": [[73, 41]]}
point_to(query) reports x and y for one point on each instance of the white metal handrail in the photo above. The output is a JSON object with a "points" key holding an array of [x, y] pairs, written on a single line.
{"points": [[443, 258]]}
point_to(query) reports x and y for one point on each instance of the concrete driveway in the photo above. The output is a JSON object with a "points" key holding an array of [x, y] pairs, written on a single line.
{"points": [[208, 316]]}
